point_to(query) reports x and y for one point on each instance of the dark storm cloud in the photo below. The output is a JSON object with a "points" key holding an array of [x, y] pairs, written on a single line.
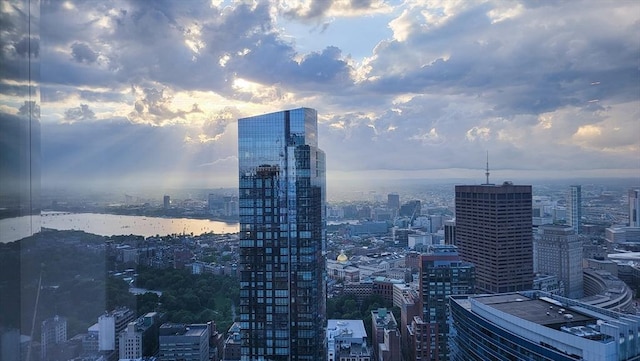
{"points": [[272, 63], [317, 10], [18, 47], [27, 47], [82, 53]]}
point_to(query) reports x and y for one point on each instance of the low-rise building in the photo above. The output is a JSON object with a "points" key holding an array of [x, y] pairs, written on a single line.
{"points": [[347, 341], [181, 342]]}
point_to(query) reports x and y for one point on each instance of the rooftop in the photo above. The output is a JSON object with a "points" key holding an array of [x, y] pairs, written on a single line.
{"points": [[353, 329], [540, 310]]}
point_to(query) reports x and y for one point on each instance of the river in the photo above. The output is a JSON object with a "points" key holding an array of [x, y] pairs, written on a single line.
{"points": [[110, 224], [12, 229]]}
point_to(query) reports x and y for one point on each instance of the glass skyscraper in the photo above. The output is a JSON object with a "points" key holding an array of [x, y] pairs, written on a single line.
{"points": [[282, 236]]}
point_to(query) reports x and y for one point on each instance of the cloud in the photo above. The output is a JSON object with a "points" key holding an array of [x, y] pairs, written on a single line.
{"points": [[82, 53], [153, 106], [79, 113], [541, 85], [318, 10]]}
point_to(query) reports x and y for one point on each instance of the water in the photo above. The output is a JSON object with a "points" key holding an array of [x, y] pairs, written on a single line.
{"points": [[110, 225]]}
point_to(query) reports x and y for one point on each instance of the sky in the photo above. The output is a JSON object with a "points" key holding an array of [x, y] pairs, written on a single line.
{"points": [[149, 92]]}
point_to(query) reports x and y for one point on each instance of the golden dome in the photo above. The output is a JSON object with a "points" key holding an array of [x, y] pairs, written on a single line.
{"points": [[342, 257]]}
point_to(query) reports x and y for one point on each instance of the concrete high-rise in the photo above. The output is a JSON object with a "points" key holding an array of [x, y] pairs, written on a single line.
{"points": [[494, 232], [559, 253], [574, 208], [634, 208], [282, 236], [53, 332], [442, 274], [110, 325]]}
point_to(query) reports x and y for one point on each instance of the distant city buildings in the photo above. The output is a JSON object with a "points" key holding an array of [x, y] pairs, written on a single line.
{"points": [[619, 235], [393, 201], [282, 236], [494, 232], [559, 252], [574, 208], [166, 202], [534, 325]]}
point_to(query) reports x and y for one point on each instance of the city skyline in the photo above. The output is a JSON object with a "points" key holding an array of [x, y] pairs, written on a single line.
{"points": [[150, 92]]}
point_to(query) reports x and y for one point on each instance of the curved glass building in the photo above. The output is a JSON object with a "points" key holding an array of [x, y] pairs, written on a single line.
{"points": [[539, 326]]}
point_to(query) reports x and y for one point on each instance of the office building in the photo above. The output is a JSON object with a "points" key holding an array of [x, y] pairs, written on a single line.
{"points": [[130, 342], [534, 325], [385, 338], [140, 337], [622, 235], [442, 274], [110, 325], [450, 232], [559, 253], [347, 341], [180, 342], [494, 233], [634, 208], [574, 208], [166, 202], [282, 236], [53, 332]]}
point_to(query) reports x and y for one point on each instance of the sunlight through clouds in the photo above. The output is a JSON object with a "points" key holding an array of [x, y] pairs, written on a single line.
{"points": [[552, 85]]}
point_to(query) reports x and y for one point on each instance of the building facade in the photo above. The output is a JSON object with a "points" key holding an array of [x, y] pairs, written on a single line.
{"points": [[634, 208], [53, 332], [110, 325], [535, 325], [130, 342], [494, 233], [442, 274], [385, 338], [574, 208], [180, 342], [282, 236], [559, 252]]}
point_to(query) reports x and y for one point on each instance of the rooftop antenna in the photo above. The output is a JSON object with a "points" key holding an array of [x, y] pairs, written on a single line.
{"points": [[487, 172]]}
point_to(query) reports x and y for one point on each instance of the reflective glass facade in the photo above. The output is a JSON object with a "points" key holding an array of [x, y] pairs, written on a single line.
{"points": [[19, 172], [282, 236]]}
